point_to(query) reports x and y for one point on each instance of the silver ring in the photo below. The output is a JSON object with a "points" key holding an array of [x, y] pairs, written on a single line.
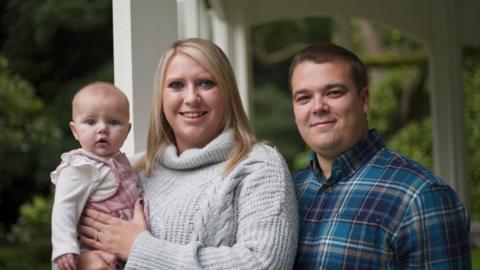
{"points": [[96, 236]]}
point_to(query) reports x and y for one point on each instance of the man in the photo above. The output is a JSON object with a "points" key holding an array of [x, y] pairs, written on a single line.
{"points": [[362, 205]]}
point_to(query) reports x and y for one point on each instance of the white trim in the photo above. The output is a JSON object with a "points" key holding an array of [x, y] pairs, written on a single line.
{"points": [[447, 104], [142, 32]]}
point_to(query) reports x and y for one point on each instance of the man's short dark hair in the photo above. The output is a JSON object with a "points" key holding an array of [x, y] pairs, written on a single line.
{"points": [[328, 52]]}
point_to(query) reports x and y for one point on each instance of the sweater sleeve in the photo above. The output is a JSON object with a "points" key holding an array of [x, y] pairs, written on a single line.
{"points": [[266, 227]]}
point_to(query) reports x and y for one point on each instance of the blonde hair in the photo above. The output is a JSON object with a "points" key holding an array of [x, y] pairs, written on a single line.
{"points": [[212, 58]]}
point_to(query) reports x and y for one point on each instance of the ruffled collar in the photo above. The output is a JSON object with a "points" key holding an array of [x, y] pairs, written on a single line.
{"points": [[216, 151]]}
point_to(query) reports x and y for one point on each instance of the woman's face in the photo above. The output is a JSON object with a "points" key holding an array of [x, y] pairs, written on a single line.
{"points": [[193, 103]]}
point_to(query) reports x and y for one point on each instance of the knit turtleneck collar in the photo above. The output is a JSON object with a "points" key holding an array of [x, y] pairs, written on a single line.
{"points": [[216, 151]]}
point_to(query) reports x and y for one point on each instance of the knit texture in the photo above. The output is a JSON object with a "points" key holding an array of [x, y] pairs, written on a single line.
{"points": [[201, 219]]}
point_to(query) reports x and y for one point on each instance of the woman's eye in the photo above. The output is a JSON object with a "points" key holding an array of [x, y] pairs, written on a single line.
{"points": [[175, 85], [206, 84]]}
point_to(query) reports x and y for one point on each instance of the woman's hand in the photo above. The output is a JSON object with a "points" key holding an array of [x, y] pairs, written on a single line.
{"points": [[114, 235], [96, 260]]}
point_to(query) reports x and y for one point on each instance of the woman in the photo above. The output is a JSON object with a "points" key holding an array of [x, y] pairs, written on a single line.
{"points": [[216, 198]]}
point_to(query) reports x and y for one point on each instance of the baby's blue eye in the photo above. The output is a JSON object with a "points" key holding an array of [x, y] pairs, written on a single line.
{"points": [[90, 122], [115, 122]]}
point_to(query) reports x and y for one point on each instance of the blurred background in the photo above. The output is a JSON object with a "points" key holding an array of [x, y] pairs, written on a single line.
{"points": [[50, 48]]}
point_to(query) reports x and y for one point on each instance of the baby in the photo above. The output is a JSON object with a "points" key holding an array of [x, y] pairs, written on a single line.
{"points": [[97, 175]]}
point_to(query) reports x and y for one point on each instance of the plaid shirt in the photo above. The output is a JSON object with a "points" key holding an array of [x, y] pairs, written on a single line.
{"points": [[379, 210]]}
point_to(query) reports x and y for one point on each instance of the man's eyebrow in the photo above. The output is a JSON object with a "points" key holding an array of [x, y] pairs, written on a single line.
{"points": [[335, 85], [299, 91]]}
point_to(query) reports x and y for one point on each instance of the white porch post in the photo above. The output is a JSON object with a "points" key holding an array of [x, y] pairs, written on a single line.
{"points": [[230, 32], [447, 100], [193, 20], [142, 30]]}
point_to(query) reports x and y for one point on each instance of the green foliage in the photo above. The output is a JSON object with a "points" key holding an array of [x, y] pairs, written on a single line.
{"points": [[274, 121], [29, 242], [274, 44], [34, 221], [28, 143], [278, 35], [475, 259], [384, 100], [51, 42], [472, 124], [301, 159], [414, 141], [272, 106], [20, 257]]}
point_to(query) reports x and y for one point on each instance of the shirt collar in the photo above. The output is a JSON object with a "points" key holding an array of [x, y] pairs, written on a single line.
{"points": [[351, 160]]}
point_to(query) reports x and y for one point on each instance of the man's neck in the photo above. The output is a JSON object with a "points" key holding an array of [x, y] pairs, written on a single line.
{"points": [[325, 165]]}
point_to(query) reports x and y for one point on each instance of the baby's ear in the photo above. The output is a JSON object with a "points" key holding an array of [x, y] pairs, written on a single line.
{"points": [[74, 131], [129, 127]]}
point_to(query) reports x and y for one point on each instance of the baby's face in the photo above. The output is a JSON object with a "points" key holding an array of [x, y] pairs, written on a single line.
{"points": [[101, 123]]}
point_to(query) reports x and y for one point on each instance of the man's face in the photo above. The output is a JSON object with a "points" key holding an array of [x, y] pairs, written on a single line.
{"points": [[329, 112]]}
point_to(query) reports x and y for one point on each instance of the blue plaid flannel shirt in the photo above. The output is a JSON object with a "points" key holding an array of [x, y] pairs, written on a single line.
{"points": [[379, 210]]}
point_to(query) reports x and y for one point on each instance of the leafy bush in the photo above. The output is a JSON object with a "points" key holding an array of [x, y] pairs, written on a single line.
{"points": [[29, 240], [472, 124], [414, 141], [28, 140], [33, 222], [274, 121]]}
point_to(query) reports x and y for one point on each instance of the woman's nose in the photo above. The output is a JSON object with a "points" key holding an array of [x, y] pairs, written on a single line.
{"points": [[192, 96]]}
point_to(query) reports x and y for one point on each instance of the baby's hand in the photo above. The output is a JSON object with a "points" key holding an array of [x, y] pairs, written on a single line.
{"points": [[67, 261]]}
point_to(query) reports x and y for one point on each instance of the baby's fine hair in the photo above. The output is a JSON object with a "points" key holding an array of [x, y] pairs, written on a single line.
{"points": [[98, 88]]}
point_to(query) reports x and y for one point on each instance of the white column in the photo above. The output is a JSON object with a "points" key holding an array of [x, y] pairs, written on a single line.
{"points": [[447, 102], [220, 32], [241, 56], [191, 21], [142, 30], [230, 32]]}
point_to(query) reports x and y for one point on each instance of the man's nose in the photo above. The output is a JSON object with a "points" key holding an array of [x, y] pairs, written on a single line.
{"points": [[319, 104]]}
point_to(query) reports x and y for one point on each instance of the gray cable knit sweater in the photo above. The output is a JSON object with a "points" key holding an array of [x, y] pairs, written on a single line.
{"points": [[203, 220]]}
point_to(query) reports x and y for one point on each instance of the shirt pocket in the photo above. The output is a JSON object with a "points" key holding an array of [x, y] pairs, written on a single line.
{"points": [[365, 235]]}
